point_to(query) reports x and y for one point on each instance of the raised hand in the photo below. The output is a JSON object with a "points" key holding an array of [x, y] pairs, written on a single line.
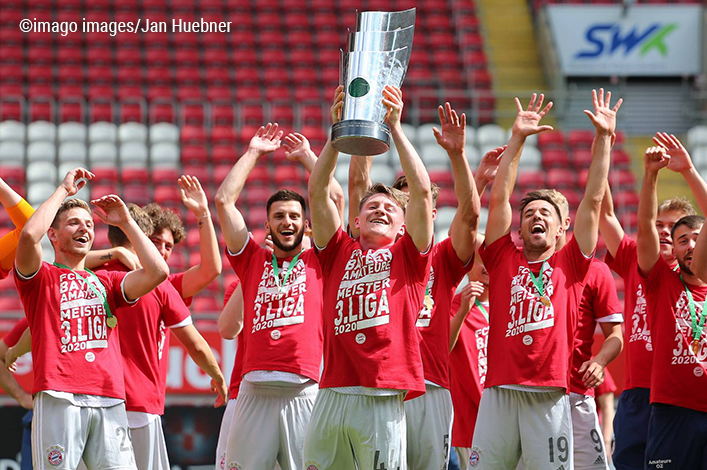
{"points": [[338, 105], [393, 101], [528, 122], [111, 210], [296, 146], [193, 195], [469, 293], [656, 158], [266, 139], [76, 179], [488, 166], [604, 116], [679, 157], [453, 135]]}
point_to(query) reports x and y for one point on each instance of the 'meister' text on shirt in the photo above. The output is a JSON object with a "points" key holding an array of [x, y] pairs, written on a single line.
{"points": [[82, 313], [276, 307], [527, 312]]}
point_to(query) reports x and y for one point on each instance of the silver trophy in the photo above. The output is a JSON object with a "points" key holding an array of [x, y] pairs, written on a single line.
{"points": [[377, 55]]}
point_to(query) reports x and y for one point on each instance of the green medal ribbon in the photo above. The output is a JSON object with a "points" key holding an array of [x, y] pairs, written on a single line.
{"points": [[276, 271], [480, 306], [538, 283], [111, 321], [697, 325], [675, 268]]}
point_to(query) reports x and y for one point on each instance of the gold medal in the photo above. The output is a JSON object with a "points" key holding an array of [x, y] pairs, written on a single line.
{"points": [[545, 300], [428, 302], [695, 346], [111, 321]]}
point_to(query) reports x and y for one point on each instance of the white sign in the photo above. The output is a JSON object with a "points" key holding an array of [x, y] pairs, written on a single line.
{"points": [[648, 40]]}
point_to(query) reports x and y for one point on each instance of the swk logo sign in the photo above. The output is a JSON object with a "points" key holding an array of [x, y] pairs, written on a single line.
{"points": [[609, 39]]}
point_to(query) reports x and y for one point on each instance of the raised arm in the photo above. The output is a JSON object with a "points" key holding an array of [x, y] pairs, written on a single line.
{"points": [[199, 276], [29, 248], [19, 211], [681, 162], [699, 257], [97, 258], [113, 211], [297, 149], [609, 224], [418, 215], [325, 215], [9, 384], [468, 294], [230, 321], [359, 182], [527, 123], [604, 119], [201, 353], [233, 226], [487, 169], [648, 242]]}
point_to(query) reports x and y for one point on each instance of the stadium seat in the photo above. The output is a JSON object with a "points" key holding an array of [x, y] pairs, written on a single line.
{"points": [[555, 158], [39, 192], [72, 152], [41, 131], [12, 130], [434, 156], [41, 152], [425, 134], [697, 136], [164, 132], [165, 154], [561, 178], [72, 132], [550, 139], [12, 153], [41, 171], [103, 154], [102, 132], [132, 132], [133, 154], [490, 135]]}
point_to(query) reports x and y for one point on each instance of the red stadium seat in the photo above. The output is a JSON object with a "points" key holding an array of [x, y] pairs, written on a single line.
{"points": [[223, 135], [529, 180], [161, 112], [187, 56], [71, 111], [167, 196], [286, 175], [582, 158], [224, 155], [222, 114], [101, 111], [137, 194], [192, 135], [550, 139], [132, 175], [580, 138], [193, 113], [554, 158], [561, 178], [256, 196], [200, 172], [106, 175], [165, 176], [252, 115], [194, 155]]}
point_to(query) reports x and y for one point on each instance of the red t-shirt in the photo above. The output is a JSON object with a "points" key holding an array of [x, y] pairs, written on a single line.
{"points": [[637, 333], [446, 272], [14, 335], [679, 376], [143, 341], [371, 303], [285, 331], [177, 281], [240, 348], [529, 342], [73, 349], [599, 304], [468, 366]]}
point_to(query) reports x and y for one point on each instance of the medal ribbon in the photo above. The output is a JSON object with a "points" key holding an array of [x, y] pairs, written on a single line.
{"points": [[480, 306], [276, 271], [93, 288], [538, 281], [697, 326]]}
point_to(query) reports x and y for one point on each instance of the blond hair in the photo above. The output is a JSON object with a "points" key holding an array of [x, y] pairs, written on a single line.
{"points": [[402, 182], [397, 196], [67, 205], [677, 204]]}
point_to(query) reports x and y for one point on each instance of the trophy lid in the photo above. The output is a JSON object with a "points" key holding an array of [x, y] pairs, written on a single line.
{"points": [[385, 20]]}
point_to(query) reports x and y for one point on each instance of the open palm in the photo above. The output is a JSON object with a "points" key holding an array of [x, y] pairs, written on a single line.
{"points": [[679, 157], [192, 194], [266, 139], [604, 116], [528, 121], [453, 135]]}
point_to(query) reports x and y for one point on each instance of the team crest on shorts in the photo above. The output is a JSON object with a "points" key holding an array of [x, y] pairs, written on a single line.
{"points": [[55, 455], [234, 466], [222, 463], [311, 465], [474, 457]]}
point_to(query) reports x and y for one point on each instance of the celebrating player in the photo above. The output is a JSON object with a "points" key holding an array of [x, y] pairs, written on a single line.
{"points": [[281, 325], [78, 374], [373, 292], [429, 417], [142, 350], [533, 322], [675, 301], [633, 411]]}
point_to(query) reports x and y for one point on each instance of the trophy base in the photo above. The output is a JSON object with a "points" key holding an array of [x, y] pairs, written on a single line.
{"points": [[359, 137]]}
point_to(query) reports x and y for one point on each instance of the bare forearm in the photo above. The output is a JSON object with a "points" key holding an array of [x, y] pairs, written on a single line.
{"points": [[230, 321], [325, 216], [8, 196], [456, 326], [201, 354], [415, 172], [587, 225], [24, 344], [648, 243], [698, 187], [481, 185], [359, 182], [150, 259], [9, 384], [37, 225], [609, 224], [610, 349], [199, 276], [499, 222]]}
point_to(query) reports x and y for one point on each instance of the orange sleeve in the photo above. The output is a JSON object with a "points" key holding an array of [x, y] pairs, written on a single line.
{"points": [[19, 214]]}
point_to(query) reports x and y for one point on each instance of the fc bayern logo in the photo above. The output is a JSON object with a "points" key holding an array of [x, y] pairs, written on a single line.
{"points": [[55, 457], [474, 458]]}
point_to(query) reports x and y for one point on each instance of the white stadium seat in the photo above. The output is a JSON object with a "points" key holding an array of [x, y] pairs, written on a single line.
{"points": [[425, 135], [697, 136], [12, 153], [133, 154], [490, 135], [132, 132], [41, 131], [103, 154], [434, 156], [41, 152], [382, 173], [165, 155], [72, 132], [103, 132], [12, 131], [164, 132], [41, 172], [73, 151]]}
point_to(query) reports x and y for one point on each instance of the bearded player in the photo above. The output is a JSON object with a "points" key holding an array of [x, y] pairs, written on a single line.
{"points": [[633, 410], [677, 429], [281, 324], [525, 410], [78, 389], [429, 417], [372, 296]]}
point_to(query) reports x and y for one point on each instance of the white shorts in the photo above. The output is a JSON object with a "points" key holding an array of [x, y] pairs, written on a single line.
{"points": [[589, 452], [429, 429], [150, 447], [512, 423], [63, 434], [269, 425], [223, 434], [350, 432]]}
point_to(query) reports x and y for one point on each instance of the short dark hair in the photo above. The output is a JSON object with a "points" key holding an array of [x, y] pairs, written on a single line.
{"points": [[163, 219], [396, 195], [402, 182], [691, 221], [554, 197], [286, 195], [143, 220], [67, 205]]}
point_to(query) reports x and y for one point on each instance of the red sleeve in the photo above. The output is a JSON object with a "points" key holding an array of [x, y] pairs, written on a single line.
{"points": [[493, 254], [328, 255], [174, 311], [605, 301], [30, 290], [457, 269], [417, 264], [15, 333], [229, 291], [177, 282], [579, 264], [626, 257], [241, 261]]}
